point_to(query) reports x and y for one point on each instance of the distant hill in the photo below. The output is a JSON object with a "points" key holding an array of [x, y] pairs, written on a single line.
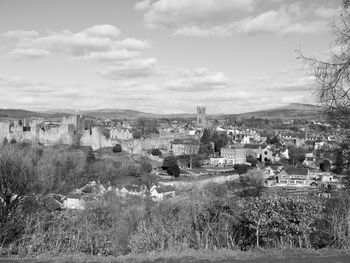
{"points": [[18, 114], [291, 111]]}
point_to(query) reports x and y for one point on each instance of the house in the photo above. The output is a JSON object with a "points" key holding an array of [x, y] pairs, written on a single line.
{"points": [[135, 190], [217, 161], [186, 146], [159, 193], [74, 201], [234, 154], [118, 133], [294, 177], [253, 149], [92, 188], [266, 154], [273, 170]]}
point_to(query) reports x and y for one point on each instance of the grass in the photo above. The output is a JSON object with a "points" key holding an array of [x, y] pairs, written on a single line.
{"points": [[194, 256]]}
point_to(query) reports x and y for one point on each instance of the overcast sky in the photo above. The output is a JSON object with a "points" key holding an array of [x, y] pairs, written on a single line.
{"points": [[160, 56]]}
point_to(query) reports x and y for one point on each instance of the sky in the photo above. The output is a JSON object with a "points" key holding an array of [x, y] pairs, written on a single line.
{"points": [[161, 56]]}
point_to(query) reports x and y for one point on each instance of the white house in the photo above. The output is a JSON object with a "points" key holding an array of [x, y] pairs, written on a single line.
{"points": [[74, 201], [159, 193], [134, 190]]}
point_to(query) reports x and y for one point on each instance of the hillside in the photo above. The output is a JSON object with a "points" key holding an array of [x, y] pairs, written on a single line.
{"points": [[18, 113], [291, 111]]}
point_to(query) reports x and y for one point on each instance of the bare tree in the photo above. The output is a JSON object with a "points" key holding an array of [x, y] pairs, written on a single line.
{"points": [[18, 182], [333, 74]]}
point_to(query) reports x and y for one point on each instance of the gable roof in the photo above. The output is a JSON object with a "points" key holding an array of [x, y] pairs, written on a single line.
{"points": [[297, 171]]}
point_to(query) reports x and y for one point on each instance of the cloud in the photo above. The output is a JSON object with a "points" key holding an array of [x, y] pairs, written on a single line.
{"points": [[281, 22], [136, 68], [14, 84], [143, 5], [113, 55], [102, 31], [201, 80], [20, 34], [208, 18], [305, 85], [27, 53], [165, 13], [17, 92], [326, 12], [97, 42]]}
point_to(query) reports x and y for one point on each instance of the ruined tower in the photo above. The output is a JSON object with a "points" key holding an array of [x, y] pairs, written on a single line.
{"points": [[201, 117]]}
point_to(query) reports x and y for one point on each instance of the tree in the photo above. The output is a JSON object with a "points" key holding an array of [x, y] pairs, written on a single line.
{"points": [[170, 163], [296, 155], [136, 134], [117, 148], [325, 166], [275, 140], [220, 140], [241, 168], [156, 152], [18, 181], [332, 74], [253, 161], [252, 183], [13, 141], [205, 146], [339, 162], [206, 137], [5, 141], [76, 139]]}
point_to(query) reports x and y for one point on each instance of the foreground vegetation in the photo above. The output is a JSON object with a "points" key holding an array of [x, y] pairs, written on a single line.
{"points": [[208, 218]]}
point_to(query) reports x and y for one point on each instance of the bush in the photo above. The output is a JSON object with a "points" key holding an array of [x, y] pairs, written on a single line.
{"points": [[156, 152], [117, 148], [136, 135], [241, 168], [170, 163]]}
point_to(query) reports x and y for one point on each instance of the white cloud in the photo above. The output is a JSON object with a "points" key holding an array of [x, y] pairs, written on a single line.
{"points": [[217, 31], [112, 55], [200, 80], [102, 31], [136, 68], [143, 5], [20, 34], [279, 22], [27, 53], [208, 18], [97, 42]]}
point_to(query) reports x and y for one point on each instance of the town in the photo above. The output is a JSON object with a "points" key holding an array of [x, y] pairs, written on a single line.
{"points": [[300, 157], [175, 131]]}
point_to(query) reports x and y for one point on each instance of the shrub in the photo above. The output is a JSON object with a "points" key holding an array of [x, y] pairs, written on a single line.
{"points": [[117, 148], [156, 152], [170, 163]]}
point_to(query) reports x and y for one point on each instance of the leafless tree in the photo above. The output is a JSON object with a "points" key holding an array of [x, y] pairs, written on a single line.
{"points": [[333, 74]]}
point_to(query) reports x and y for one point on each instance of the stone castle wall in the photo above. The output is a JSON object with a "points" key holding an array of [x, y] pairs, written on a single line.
{"points": [[63, 133]]}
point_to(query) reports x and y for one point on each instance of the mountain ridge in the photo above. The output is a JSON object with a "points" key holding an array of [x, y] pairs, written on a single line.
{"points": [[293, 110]]}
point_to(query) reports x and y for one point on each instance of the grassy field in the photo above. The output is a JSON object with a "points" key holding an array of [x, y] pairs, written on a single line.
{"points": [[221, 256]]}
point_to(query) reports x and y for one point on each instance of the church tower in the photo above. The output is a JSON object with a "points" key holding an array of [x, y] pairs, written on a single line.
{"points": [[201, 117]]}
